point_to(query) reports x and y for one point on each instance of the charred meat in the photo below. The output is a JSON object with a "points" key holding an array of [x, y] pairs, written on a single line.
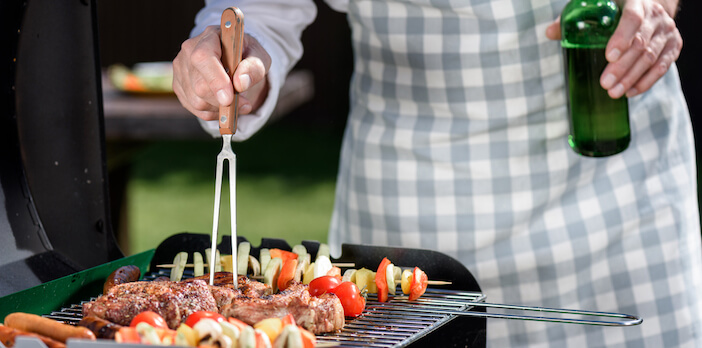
{"points": [[174, 301], [316, 314]]}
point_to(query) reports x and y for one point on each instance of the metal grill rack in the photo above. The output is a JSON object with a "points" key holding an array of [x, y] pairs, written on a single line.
{"points": [[397, 323]]}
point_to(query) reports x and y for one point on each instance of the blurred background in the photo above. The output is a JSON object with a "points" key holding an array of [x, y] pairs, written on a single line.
{"points": [[161, 168]]}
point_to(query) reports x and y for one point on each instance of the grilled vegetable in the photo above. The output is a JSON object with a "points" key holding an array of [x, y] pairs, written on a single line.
{"points": [[323, 285], [390, 278], [323, 251], [242, 258], [179, 262], [227, 264], [322, 266], [199, 264], [405, 280], [349, 276], [419, 284], [264, 256], [300, 250], [272, 327], [272, 272], [151, 318], [351, 298], [218, 262], [365, 278], [287, 274], [302, 264], [308, 275], [254, 266], [381, 280], [283, 254], [186, 336]]}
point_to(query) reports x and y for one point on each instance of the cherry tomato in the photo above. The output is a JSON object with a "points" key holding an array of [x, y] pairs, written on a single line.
{"points": [[351, 298], [151, 318], [323, 284], [192, 319]]}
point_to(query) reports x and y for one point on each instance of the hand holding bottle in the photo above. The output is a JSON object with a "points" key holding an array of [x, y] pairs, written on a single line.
{"points": [[644, 45]]}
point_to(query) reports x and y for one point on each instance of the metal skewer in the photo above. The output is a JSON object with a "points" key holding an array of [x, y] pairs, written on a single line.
{"points": [[232, 26]]}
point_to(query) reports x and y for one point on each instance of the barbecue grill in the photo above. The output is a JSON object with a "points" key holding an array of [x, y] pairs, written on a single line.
{"points": [[56, 241]]}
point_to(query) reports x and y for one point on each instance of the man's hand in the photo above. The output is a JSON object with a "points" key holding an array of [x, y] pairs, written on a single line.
{"points": [[641, 50], [202, 85]]}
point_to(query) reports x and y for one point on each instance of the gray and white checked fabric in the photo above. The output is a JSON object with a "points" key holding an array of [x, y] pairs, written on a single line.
{"points": [[457, 141]]}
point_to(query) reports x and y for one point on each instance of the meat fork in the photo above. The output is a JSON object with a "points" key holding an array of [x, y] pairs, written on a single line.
{"points": [[232, 26]]}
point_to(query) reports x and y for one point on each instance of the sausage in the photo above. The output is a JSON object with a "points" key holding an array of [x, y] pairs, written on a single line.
{"points": [[124, 274], [46, 327], [8, 336], [100, 327]]}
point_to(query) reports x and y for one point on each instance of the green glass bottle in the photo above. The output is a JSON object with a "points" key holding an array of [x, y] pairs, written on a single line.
{"points": [[599, 125]]}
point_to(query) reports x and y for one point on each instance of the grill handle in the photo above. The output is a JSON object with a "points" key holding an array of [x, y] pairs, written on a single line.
{"points": [[629, 320]]}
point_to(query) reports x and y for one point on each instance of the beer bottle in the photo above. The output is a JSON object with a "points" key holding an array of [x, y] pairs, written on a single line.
{"points": [[599, 125]]}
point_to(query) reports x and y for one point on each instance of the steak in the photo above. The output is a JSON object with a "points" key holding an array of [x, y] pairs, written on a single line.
{"points": [[316, 314], [223, 289], [174, 301]]}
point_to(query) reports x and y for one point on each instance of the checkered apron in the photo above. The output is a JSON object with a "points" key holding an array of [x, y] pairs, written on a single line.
{"points": [[457, 141]]}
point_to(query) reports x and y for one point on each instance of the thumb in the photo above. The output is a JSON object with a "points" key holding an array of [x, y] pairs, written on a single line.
{"points": [[553, 31]]}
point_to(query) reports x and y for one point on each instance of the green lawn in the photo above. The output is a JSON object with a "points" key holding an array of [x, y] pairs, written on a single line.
{"points": [[285, 187]]}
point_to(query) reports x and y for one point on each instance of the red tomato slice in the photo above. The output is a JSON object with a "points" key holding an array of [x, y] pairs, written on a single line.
{"points": [[288, 320], [335, 272], [151, 318], [381, 282], [127, 334], [238, 323], [308, 338], [287, 273], [323, 284], [351, 298], [192, 319], [418, 285]]}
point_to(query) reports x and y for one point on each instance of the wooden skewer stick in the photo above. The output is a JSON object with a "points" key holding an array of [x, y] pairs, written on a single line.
{"points": [[170, 265], [430, 282]]}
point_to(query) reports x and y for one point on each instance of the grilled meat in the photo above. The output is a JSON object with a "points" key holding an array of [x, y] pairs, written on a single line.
{"points": [[224, 292], [174, 301], [316, 314]]}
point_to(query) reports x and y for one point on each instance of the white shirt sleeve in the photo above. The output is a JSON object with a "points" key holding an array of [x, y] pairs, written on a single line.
{"points": [[278, 26]]}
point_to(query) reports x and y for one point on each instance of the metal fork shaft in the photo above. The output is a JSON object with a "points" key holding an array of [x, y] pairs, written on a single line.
{"points": [[227, 154]]}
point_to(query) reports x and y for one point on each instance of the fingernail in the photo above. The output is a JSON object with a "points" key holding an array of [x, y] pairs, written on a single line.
{"points": [[222, 97], [245, 81], [617, 91], [613, 55], [608, 81], [632, 93], [245, 109]]}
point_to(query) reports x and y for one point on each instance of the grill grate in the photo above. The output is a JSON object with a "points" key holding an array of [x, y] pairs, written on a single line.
{"points": [[395, 323]]}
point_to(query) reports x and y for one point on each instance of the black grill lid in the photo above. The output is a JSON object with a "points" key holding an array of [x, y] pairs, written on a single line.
{"points": [[54, 217]]}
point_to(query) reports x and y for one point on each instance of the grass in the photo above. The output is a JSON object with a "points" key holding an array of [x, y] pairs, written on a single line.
{"points": [[285, 188]]}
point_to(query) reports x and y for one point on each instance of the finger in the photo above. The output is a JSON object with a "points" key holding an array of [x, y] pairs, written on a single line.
{"points": [[670, 54], [206, 61], [635, 63], [553, 31], [203, 114], [631, 20]]}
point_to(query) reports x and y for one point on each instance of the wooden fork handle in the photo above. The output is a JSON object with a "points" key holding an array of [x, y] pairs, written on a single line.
{"points": [[232, 46]]}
